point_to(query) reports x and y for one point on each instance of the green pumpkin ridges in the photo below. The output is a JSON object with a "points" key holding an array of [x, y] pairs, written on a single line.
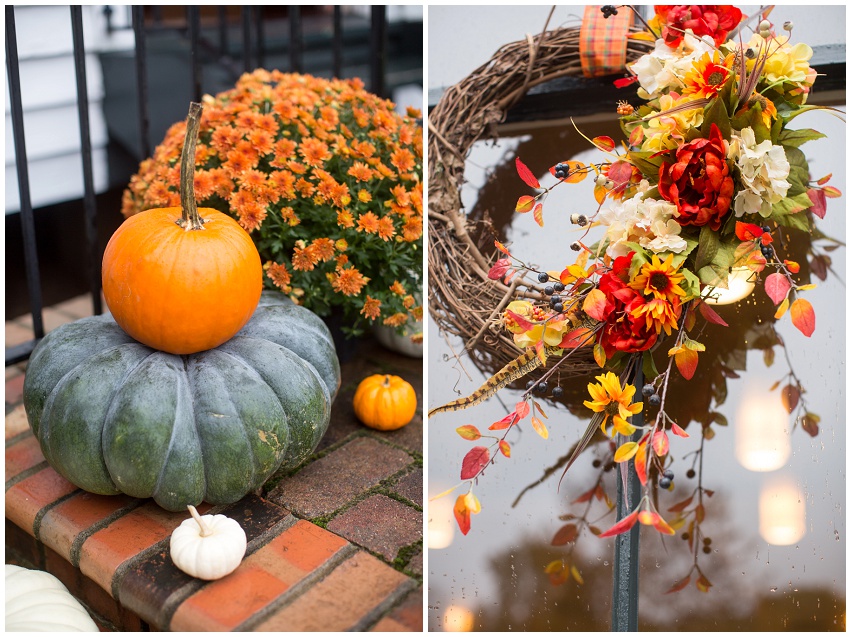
{"points": [[243, 434], [74, 413], [150, 443], [61, 351], [302, 392]]}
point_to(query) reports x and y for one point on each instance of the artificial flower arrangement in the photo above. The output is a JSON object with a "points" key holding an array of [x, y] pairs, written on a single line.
{"points": [[709, 190], [326, 178]]}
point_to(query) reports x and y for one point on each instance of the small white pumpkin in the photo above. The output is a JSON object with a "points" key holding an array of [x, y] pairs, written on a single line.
{"points": [[37, 601], [208, 546]]}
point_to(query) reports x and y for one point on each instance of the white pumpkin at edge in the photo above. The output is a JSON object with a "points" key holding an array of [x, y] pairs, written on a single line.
{"points": [[207, 546], [37, 601]]}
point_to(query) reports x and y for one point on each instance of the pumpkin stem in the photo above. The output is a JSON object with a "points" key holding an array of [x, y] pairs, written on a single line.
{"points": [[190, 219], [386, 382], [205, 530]]}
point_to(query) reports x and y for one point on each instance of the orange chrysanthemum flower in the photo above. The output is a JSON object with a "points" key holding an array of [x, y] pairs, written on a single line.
{"points": [[386, 229], [368, 222], [360, 171], [371, 308], [403, 160], [305, 258], [396, 320], [251, 215], [278, 274], [314, 152], [324, 248], [345, 219], [349, 281], [398, 288]]}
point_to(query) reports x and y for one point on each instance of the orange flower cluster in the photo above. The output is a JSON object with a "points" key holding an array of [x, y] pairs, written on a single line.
{"points": [[325, 176]]}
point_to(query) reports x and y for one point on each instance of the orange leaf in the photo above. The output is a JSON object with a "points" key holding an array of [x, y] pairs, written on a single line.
{"points": [[599, 355], [660, 443], [641, 462], [636, 136], [604, 143], [540, 427], [521, 409], [832, 192], [792, 266], [790, 396], [469, 432], [803, 316], [681, 506], [575, 172], [703, 584], [525, 174], [621, 527], [679, 585], [594, 305], [539, 408], [678, 431], [777, 287], [525, 203], [586, 497], [781, 309], [539, 214], [600, 193], [686, 360], [474, 462], [506, 422], [566, 534], [505, 448], [501, 247], [462, 514], [576, 575], [825, 179], [748, 231]]}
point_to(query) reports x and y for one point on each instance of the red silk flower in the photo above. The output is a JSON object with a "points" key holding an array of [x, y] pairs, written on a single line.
{"points": [[699, 182], [713, 20], [623, 332]]}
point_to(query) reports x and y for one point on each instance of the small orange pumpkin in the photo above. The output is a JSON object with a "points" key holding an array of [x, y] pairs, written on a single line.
{"points": [[385, 402], [182, 280]]}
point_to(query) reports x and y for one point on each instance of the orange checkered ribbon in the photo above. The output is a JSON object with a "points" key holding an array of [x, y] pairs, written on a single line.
{"points": [[602, 42]]}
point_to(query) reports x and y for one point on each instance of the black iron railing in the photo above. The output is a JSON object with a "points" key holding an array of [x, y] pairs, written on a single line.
{"points": [[253, 28]]}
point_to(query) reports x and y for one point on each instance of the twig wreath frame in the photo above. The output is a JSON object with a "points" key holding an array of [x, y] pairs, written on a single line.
{"points": [[462, 300]]}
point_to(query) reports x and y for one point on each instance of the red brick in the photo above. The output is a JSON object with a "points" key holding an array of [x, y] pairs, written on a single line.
{"points": [[336, 479], [22, 548], [104, 551], [381, 525], [31, 495], [259, 580], [23, 455], [63, 523], [16, 422], [411, 486], [406, 617], [15, 390], [341, 601]]}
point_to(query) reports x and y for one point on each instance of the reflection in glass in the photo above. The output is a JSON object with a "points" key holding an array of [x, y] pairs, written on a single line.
{"points": [[441, 526], [458, 619], [762, 431], [740, 284], [782, 512]]}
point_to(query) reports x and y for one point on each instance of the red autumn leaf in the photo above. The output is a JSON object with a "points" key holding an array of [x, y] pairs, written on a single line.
{"points": [[748, 231], [623, 526], [832, 192], [636, 136], [678, 431], [686, 360], [499, 269], [660, 443], [817, 196], [505, 423], [474, 462], [792, 266], [777, 287], [538, 214], [803, 316], [604, 143], [625, 81], [526, 175], [462, 514], [681, 506], [522, 409], [566, 534], [525, 203], [809, 423], [679, 585], [711, 315], [819, 265], [825, 179], [586, 497], [501, 248], [505, 448], [789, 396], [469, 432], [594, 305], [620, 172], [522, 322], [641, 461], [577, 338]]}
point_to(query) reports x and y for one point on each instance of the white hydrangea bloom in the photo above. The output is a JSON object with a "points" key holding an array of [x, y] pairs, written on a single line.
{"points": [[764, 170], [665, 67], [647, 222]]}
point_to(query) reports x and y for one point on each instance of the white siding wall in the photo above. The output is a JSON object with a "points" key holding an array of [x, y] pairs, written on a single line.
{"points": [[49, 98]]}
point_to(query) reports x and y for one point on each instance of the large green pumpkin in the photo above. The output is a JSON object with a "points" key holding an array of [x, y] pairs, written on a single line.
{"points": [[115, 416]]}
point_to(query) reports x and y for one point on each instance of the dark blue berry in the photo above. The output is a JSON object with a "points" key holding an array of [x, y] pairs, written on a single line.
{"points": [[648, 390], [558, 286], [668, 473], [655, 400], [530, 385], [664, 483], [541, 387], [549, 290], [543, 277], [558, 392], [560, 174], [555, 298], [559, 307]]}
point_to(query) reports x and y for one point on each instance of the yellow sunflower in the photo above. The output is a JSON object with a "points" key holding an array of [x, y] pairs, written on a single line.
{"points": [[660, 280], [610, 399]]}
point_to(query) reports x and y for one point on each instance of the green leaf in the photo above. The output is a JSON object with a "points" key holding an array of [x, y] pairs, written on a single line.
{"points": [[794, 138], [799, 171], [707, 247], [649, 167], [648, 366], [716, 113], [691, 285]]}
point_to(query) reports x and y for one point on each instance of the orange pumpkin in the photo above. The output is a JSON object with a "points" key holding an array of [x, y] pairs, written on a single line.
{"points": [[385, 402], [182, 280]]}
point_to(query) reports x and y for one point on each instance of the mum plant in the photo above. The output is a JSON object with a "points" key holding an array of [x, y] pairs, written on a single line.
{"points": [[325, 177], [708, 189]]}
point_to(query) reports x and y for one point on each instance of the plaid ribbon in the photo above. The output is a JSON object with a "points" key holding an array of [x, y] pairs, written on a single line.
{"points": [[602, 42]]}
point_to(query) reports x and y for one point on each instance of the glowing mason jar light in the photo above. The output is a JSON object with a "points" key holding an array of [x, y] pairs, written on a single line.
{"points": [[441, 522], [458, 619], [762, 431], [740, 283], [782, 512]]}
